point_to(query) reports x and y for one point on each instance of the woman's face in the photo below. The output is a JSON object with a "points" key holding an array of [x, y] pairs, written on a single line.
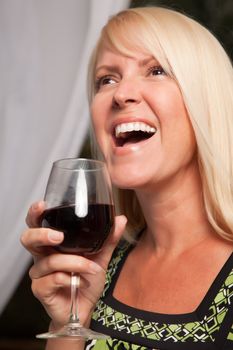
{"points": [[140, 121]]}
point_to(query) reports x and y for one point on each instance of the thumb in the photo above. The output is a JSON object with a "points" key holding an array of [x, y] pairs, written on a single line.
{"points": [[110, 244], [119, 228]]}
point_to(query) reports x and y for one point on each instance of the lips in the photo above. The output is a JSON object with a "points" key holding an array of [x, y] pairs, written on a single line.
{"points": [[132, 132]]}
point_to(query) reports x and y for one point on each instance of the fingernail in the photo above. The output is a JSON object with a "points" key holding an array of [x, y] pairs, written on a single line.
{"points": [[55, 236], [38, 205], [35, 206]]}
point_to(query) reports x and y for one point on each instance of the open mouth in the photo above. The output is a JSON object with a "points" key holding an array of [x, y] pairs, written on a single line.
{"points": [[131, 133]]}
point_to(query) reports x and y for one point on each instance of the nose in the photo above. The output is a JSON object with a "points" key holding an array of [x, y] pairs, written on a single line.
{"points": [[125, 94]]}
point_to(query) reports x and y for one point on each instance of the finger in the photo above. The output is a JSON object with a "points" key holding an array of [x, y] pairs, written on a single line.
{"points": [[47, 286], [34, 213], [38, 240], [65, 263]]}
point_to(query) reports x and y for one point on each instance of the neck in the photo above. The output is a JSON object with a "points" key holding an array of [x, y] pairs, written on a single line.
{"points": [[175, 214]]}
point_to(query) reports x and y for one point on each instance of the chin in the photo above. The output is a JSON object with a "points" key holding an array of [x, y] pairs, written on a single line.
{"points": [[127, 177]]}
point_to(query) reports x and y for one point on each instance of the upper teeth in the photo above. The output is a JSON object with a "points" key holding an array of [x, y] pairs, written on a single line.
{"points": [[137, 126]]}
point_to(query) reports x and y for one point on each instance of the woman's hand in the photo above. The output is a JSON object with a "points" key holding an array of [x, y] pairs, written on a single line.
{"points": [[51, 271]]}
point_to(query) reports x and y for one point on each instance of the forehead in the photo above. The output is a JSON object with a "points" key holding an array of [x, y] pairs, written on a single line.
{"points": [[107, 55], [139, 43]]}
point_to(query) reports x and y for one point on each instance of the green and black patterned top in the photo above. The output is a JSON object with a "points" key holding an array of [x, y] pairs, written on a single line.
{"points": [[210, 326]]}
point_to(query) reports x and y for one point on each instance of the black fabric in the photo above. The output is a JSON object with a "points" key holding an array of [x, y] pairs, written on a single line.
{"points": [[206, 328]]}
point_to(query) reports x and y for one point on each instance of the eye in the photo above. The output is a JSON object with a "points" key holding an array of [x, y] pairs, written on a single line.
{"points": [[105, 80], [156, 70]]}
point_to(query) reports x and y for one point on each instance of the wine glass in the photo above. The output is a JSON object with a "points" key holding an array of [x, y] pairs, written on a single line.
{"points": [[79, 203]]}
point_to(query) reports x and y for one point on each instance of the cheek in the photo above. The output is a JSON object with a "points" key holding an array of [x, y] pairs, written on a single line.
{"points": [[100, 109], [98, 126], [94, 114], [177, 135], [166, 101]]}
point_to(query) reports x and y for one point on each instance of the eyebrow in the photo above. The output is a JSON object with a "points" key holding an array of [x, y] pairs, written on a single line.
{"points": [[106, 67], [142, 63], [147, 60]]}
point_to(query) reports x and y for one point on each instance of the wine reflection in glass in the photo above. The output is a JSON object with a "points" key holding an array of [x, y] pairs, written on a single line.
{"points": [[79, 203]]}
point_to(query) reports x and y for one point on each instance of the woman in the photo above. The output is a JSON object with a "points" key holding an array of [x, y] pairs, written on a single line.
{"points": [[161, 106]]}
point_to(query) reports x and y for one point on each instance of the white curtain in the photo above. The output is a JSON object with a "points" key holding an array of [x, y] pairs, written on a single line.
{"points": [[45, 45]]}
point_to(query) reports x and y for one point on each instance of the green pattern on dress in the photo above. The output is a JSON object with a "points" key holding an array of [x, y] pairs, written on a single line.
{"points": [[230, 335], [113, 267], [203, 330], [114, 344]]}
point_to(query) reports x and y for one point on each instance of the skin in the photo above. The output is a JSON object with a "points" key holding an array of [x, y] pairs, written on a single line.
{"points": [[136, 89], [51, 271], [163, 172]]}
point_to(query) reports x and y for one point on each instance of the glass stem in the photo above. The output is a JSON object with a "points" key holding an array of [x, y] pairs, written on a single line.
{"points": [[74, 303]]}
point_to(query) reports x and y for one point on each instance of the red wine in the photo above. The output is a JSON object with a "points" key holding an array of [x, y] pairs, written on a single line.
{"points": [[81, 235]]}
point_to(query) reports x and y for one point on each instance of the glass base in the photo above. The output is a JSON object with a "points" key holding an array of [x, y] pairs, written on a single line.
{"points": [[73, 331]]}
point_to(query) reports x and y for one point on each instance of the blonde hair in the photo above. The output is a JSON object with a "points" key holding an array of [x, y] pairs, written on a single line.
{"points": [[203, 71]]}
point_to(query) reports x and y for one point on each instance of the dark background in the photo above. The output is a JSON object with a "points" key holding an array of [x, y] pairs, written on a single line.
{"points": [[23, 317], [216, 15]]}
